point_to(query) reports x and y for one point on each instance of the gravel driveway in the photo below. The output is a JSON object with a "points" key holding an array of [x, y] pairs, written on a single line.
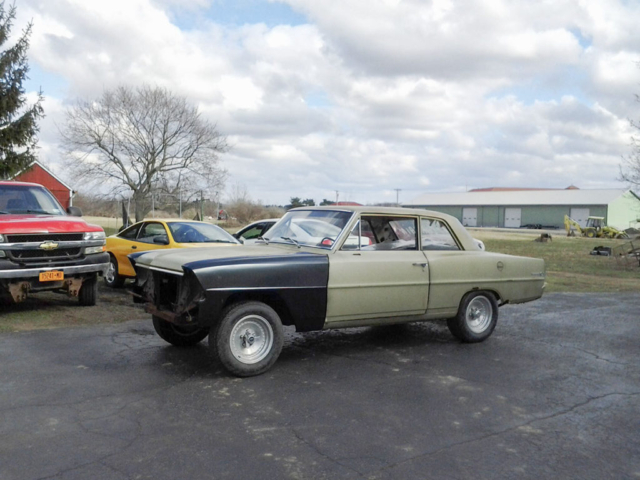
{"points": [[554, 393]]}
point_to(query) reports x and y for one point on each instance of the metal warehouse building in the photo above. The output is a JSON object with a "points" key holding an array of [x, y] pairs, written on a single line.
{"points": [[517, 208]]}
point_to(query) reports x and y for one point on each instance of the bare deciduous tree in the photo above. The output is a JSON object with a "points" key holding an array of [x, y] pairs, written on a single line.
{"points": [[630, 165], [140, 139]]}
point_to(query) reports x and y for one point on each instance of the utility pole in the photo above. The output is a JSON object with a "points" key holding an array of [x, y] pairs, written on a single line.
{"points": [[398, 190], [337, 196], [201, 206]]}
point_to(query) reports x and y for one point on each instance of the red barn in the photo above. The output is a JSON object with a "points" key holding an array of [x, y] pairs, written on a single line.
{"points": [[37, 173]]}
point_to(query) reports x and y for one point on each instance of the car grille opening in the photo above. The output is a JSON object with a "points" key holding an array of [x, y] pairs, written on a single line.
{"points": [[44, 237], [38, 254]]}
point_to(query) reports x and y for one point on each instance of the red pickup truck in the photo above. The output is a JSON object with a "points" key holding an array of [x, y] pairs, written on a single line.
{"points": [[42, 247]]}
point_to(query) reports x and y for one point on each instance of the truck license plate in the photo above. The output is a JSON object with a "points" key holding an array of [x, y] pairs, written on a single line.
{"points": [[51, 276]]}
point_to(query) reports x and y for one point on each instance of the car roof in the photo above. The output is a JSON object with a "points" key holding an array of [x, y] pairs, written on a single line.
{"points": [[173, 220], [373, 209], [263, 220], [21, 184]]}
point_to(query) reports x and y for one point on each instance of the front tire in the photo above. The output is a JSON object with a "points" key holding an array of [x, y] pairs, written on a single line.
{"points": [[248, 339], [476, 319], [179, 335], [111, 277], [88, 294]]}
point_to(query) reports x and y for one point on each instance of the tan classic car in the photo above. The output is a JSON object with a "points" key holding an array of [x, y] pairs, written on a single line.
{"points": [[331, 267]]}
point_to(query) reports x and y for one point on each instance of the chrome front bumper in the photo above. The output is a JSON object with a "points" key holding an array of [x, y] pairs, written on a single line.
{"points": [[68, 270]]}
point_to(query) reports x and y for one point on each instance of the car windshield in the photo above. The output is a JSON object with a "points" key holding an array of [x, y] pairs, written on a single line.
{"points": [[193, 232], [309, 228], [20, 199]]}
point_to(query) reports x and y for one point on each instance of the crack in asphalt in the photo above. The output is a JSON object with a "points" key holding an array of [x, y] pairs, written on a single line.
{"points": [[507, 430], [138, 429], [564, 345], [313, 447]]}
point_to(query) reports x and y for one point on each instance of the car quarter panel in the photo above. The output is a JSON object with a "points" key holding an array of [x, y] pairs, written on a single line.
{"points": [[455, 273]]}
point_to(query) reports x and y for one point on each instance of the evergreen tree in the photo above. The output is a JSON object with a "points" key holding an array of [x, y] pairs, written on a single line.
{"points": [[18, 127]]}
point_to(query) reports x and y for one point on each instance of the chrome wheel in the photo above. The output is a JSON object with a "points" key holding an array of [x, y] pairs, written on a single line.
{"points": [[479, 314], [110, 276], [251, 339]]}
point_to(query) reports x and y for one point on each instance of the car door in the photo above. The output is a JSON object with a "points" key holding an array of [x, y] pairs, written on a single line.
{"points": [[152, 236], [379, 271], [451, 268], [122, 245], [139, 240]]}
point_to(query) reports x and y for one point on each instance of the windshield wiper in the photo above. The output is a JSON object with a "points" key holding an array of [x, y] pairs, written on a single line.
{"points": [[264, 239], [217, 241], [289, 239], [2, 212]]}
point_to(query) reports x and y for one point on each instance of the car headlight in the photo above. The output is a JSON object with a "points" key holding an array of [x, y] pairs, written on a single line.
{"points": [[1, 238], [94, 236], [90, 250]]}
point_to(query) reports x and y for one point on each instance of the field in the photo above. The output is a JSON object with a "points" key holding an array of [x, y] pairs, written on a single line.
{"points": [[570, 267]]}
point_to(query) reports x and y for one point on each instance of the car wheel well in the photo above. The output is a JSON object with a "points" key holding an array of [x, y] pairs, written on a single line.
{"points": [[487, 290], [268, 298]]}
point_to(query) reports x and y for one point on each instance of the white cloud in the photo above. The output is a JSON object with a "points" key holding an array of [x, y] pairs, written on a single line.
{"points": [[370, 95]]}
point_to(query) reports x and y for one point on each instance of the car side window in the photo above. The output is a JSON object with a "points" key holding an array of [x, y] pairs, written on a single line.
{"points": [[377, 232], [150, 231], [253, 232], [436, 235], [130, 233], [267, 226]]}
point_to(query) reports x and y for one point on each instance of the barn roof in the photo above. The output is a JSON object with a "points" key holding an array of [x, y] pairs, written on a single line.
{"points": [[522, 197], [36, 162]]}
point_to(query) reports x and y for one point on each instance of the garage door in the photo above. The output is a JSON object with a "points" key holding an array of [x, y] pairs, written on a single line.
{"points": [[512, 217], [580, 215], [470, 217]]}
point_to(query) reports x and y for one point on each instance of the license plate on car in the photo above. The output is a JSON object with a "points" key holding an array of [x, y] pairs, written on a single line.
{"points": [[51, 276]]}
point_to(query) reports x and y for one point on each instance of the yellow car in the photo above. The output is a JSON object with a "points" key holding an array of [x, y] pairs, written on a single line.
{"points": [[155, 234]]}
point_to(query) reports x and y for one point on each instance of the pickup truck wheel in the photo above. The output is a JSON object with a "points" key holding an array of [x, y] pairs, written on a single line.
{"points": [[88, 293], [111, 277], [477, 317], [179, 335], [248, 339]]}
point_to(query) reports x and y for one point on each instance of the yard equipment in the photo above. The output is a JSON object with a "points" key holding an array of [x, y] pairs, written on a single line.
{"points": [[596, 228], [627, 254]]}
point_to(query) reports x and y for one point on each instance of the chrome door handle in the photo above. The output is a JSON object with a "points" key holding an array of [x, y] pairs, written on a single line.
{"points": [[423, 265]]}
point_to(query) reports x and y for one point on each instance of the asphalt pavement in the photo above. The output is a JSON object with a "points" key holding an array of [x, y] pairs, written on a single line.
{"points": [[554, 393]]}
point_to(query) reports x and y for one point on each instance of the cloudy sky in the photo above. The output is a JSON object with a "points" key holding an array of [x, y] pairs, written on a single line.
{"points": [[364, 96]]}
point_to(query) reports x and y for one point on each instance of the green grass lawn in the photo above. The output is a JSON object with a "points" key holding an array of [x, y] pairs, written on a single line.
{"points": [[570, 267]]}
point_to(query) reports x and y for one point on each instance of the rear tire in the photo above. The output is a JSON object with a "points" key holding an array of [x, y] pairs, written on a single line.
{"points": [[248, 338], [476, 319], [88, 294], [179, 335]]}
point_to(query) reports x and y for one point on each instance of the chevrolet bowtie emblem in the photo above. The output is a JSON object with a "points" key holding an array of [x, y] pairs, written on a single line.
{"points": [[48, 246]]}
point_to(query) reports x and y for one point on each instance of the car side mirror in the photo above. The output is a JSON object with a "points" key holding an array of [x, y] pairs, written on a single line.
{"points": [[161, 239], [74, 211]]}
